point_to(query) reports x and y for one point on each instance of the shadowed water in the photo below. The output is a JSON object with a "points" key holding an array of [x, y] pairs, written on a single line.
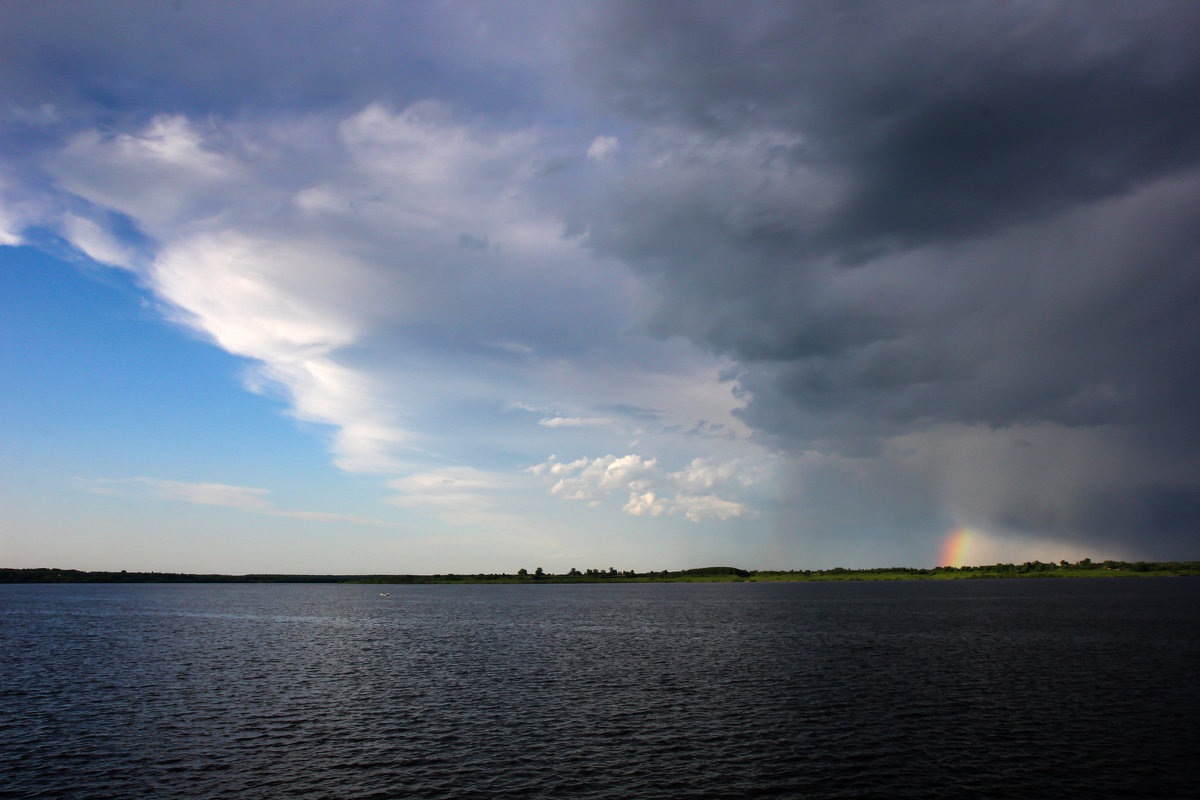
{"points": [[923, 689]]}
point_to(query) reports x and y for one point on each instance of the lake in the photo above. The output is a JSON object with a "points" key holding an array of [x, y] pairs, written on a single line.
{"points": [[1014, 688]]}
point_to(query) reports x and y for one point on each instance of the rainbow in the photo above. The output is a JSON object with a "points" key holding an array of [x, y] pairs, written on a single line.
{"points": [[955, 547]]}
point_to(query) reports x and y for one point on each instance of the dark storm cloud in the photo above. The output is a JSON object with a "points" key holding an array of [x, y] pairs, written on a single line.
{"points": [[899, 216], [949, 121], [1086, 320], [1171, 512], [931, 127]]}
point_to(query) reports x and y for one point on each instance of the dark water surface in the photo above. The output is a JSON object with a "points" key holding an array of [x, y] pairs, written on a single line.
{"points": [[1030, 688]]}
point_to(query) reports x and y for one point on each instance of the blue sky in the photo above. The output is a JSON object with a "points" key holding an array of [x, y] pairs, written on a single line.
{"points": [[474, 287]]}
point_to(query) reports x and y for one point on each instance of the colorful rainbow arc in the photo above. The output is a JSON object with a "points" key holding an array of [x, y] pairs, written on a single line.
{"points": [[954, 548]]}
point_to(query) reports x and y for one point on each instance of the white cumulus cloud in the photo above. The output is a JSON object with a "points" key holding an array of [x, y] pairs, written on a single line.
{"points": [[651, 490]]}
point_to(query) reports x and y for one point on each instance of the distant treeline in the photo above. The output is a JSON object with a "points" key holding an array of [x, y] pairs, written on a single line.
{"points": [[1085, 568], [53, 575], [610, 575]]}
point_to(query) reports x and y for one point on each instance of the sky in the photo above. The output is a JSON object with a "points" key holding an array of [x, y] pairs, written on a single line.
{"points": [[374, 287]]}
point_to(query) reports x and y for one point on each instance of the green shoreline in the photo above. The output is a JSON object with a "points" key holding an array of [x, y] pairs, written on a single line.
{"points": [[1030, 569]]}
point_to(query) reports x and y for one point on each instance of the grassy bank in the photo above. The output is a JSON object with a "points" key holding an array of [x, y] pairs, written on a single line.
{"points": [[1033, 569]]}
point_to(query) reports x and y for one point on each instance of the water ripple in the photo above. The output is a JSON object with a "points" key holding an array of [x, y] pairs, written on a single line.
{"points": [[1014, 689]]}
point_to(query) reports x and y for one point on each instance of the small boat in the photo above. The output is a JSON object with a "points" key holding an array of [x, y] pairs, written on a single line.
{"points": [[384, 594]]}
